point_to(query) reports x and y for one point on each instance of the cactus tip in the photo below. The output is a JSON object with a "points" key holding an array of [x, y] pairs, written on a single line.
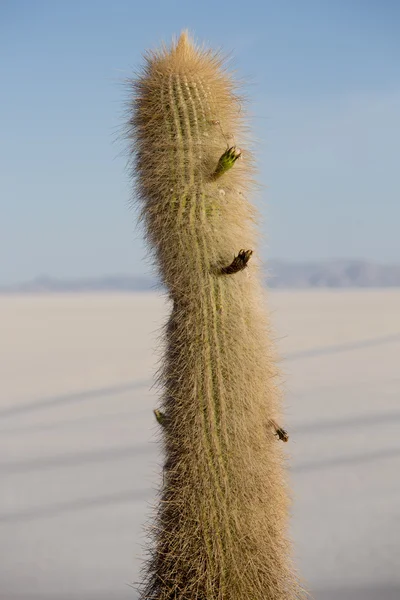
{"points": [[183, 44]]}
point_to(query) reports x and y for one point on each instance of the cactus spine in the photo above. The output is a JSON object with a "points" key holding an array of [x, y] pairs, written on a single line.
{"points": [[220, 528]]}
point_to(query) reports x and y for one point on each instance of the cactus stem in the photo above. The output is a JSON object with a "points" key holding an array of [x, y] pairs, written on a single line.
{"points": [[226, 161], [221, 519], [239, 262]]}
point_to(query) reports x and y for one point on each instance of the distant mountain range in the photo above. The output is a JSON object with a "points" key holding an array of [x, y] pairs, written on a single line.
{"points": [[278, 274], [332, 274]]}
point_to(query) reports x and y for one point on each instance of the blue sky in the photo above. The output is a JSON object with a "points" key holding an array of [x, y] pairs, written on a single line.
{"points": [[324, 83]]}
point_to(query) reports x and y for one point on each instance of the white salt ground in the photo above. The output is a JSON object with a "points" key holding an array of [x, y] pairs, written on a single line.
{"points": [[79, 463]]}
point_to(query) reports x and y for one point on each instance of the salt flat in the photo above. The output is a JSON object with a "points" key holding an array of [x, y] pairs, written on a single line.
{"points": [[79, 463]]}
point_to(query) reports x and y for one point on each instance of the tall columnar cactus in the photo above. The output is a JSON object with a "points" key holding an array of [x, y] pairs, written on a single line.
{"points": [[220, 527]]}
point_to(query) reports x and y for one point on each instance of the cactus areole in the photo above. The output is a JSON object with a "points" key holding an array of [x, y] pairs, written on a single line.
{"points": [[220, 528]]}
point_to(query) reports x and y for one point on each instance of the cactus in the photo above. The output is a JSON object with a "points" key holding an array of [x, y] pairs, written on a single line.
{"points": [[220, 529]]}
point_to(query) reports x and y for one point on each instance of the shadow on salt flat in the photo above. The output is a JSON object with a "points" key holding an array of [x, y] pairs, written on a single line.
{"points": [[63, 399], [53, 510], [384, 592], [349, 423], [338, 348], [77, 458], [378, 592]]}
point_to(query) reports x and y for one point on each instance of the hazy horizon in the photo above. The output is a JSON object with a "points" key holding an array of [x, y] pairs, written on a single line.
{"points": [[337, 273], [150, 273]]}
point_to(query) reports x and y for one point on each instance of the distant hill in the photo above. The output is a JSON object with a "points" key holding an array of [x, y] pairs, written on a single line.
{"points": [[278, 274], [332, 274]]}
